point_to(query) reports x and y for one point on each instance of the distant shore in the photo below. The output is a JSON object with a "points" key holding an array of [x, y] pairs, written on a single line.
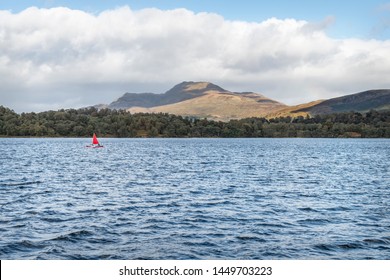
{"points": [[82, 123]]}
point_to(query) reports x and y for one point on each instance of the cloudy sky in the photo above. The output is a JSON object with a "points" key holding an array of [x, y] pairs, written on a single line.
{"points": [[69, 54]]}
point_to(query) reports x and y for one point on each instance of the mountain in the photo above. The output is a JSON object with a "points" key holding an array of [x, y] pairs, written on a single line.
{"points": [[365, 101], [180, 92], [207, 100], [199, 99]]}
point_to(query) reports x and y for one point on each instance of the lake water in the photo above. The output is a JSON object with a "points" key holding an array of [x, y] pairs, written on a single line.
{"points": [[195, 199]]}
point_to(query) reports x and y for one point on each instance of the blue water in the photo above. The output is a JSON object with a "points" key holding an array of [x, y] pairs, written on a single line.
{"points": [[195, 199]]}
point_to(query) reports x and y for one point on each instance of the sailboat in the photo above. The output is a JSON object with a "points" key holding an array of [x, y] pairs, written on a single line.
{"points": [[95, 143]]}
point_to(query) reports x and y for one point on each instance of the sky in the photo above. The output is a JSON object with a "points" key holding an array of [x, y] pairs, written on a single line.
{"points": [[71, 54]]}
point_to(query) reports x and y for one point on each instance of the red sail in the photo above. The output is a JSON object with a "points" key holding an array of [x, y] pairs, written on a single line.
{"points": [[94, 140]]}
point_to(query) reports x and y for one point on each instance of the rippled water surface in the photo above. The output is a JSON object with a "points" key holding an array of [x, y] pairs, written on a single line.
{"points": [[195, 199]]}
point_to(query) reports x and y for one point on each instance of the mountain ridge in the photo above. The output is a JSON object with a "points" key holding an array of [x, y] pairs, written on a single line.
{"points": [[180, 92], [207, 100]]}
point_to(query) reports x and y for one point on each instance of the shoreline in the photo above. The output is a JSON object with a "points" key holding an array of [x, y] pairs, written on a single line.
{"points": [[109, 137]]}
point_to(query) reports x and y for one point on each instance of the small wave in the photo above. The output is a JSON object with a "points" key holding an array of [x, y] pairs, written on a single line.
{"points": [[154, 227], [93, 210], [307, 209], [99, 193], [57, 220], [217, 235], [314, 221], [324, 247], [276, 255], [367, 224], [339, 208], [127, 208], [208, 162], [271, 225], [200, 244], [196, 219], [229, 189], [22, 246], [251, 238], [381, 241], [73, 236], [20, 184], [31, 244], [101, 241], [209, 204], [18, 226], [349, 246], [225, 171], [167, 205], [196, 192], [342, 246]]}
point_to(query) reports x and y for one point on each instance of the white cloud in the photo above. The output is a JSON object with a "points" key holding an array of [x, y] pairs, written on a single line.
{"points": [[53, 58]]}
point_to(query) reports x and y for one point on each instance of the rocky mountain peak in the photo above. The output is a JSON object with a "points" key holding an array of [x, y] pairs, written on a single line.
{"points": [[194, 87]]}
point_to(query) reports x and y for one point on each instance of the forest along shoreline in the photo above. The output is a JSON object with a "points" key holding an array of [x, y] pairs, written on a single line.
{"points": [[71, 123]]}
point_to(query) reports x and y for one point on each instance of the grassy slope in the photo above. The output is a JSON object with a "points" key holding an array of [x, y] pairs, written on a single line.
{"points": [[219, 106]]}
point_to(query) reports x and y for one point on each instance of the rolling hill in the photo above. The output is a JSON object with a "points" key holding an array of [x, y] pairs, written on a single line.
{"points": [[362, 102]]}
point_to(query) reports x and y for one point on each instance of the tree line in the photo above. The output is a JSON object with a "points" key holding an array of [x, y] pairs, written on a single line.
{"points": [[119, 123]]}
